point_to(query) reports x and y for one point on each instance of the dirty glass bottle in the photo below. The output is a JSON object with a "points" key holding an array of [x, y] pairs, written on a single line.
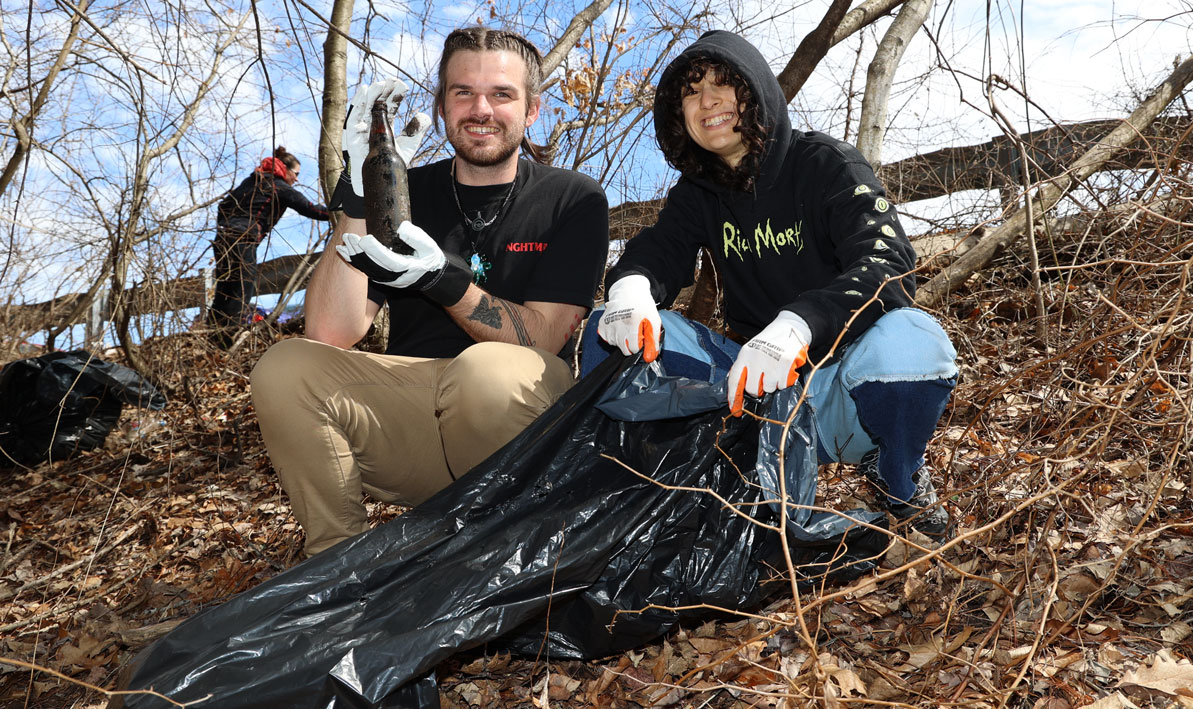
{"points": [[387, 193]]}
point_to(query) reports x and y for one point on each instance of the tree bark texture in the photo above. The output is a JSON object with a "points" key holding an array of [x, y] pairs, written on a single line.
{"points": [[881, 74], [705, 295], [861, 16], [335, 95]]}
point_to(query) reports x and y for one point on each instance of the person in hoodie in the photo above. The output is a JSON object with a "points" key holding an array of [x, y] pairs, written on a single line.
{"points": [[816, 270], [243, 218]]}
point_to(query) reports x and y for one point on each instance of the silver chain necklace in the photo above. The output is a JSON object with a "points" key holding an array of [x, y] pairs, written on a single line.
{"points": [[480, 223]]}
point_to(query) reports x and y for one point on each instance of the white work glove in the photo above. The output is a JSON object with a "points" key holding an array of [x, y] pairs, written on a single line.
{"points": [[443, 279], [631, 321], [355, 139], [769, 361]]}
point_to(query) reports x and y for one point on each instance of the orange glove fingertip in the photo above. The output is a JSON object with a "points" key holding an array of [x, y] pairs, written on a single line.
{"points": [[800, 360], [646, 339], [739, 396]]}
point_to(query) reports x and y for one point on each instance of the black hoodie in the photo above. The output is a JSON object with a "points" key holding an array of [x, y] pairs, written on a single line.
{"points": [[254, 207], [816, 236]]}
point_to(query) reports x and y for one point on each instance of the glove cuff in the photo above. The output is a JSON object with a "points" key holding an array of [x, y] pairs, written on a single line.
{"points": [[797, 323], [447, 285], [633, 286], [345, 199]]}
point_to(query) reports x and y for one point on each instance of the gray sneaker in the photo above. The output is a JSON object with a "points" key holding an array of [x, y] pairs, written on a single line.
{"points": [[923, 512]]}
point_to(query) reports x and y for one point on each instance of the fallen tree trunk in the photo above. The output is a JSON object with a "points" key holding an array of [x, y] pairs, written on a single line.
{"points": [[943, 248], [153, 297], [996, 163], [932, 294], [985, 166], [988, 165]]}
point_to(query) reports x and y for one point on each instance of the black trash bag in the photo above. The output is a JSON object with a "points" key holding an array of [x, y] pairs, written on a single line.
{"points": [[551, 521], [64, 403], [699, 553]]}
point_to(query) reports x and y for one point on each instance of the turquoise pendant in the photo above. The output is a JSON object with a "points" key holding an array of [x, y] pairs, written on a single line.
{"points": [[480, 268]]}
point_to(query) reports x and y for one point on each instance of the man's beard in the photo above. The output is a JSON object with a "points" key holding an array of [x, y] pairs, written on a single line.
{"points": [[487, 156]]}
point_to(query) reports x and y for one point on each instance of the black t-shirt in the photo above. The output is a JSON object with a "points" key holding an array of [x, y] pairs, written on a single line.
{"points": [[549, 242]]}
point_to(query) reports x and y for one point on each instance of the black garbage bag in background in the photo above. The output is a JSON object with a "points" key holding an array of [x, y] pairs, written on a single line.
{"points": [[553, 521], [63, 403]]}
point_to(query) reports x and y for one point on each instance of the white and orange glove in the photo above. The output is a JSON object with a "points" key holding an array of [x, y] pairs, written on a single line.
{"points": [[769, 361], [631, 321]]}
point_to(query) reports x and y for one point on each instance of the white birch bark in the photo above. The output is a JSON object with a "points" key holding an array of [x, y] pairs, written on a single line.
{"points": [[881, 74]]}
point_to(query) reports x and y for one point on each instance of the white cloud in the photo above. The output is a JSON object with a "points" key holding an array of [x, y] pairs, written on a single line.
{"points": [[417, 56]]}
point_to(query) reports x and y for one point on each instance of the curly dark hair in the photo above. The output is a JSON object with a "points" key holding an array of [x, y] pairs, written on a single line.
{"points": [[683, 153]]}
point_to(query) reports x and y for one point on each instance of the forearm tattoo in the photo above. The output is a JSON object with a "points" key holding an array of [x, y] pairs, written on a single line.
{"points": [[519, 326], [488, 313]]}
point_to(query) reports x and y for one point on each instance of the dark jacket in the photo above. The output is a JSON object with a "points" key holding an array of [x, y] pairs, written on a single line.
{"points": [[815, 236], [257, 203]]}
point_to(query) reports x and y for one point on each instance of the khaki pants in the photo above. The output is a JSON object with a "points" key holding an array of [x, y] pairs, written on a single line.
{"points": [[338, 422]]}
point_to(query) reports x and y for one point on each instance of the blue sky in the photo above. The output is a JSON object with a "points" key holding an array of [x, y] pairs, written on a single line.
{"points": [[1079, 59]]}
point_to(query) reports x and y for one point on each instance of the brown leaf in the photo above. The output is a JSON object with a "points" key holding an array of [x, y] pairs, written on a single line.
{"points": [[84, 651], [658, 668], [1113, 701], [711, 646], [1164, 674], [601, 683], [561, 686], [848, 682]]}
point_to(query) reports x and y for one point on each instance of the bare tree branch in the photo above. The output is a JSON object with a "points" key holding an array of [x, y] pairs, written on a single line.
{"points": [[130, 234], [880, 75], [835, 27], [1051, 192], [861, 16], [811, 50], [124, 56], [23, 126], [582, 21]]}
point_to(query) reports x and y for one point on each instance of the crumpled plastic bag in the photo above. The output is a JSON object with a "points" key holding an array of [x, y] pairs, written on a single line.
{"points": [[558, 542], [63, 403]]}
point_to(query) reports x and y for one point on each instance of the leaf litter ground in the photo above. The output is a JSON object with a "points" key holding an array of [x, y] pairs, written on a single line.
{"points": [[1064, 460]]}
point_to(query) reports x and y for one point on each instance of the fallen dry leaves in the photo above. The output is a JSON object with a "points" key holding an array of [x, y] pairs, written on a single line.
{"points": [[1065, 463]]}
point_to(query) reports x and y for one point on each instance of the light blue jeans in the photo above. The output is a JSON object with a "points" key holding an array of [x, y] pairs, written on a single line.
{"points": [[887, 391]]}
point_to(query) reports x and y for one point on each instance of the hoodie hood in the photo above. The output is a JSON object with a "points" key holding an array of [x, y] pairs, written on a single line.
{"points": [[735, 51], [275, 167]]}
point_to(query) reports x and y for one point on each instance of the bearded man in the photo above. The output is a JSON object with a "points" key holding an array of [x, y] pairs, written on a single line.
{"points": [[507, 256]]}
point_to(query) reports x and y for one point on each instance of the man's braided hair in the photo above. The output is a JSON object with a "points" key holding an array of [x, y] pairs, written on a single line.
{"points": [[483, 39]]}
